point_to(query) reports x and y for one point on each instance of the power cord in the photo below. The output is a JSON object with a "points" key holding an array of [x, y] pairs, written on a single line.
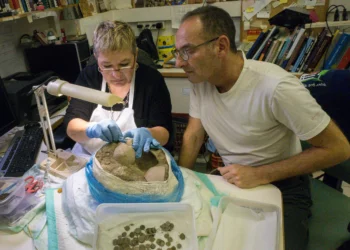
{"points": [[336, 18]]}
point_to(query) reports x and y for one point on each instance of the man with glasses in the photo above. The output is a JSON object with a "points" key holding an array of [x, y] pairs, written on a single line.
{"points": [[255, 113], [145, 115]]}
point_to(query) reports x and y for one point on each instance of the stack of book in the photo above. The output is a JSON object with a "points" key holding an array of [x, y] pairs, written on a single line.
{"points": [[301, 50]]}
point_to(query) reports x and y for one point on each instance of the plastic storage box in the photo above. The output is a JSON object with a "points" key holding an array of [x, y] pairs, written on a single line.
{"points": [[12, 193], [117, 221]]}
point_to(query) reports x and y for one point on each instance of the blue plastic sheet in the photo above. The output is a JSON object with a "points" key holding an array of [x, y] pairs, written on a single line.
{"points": [[104, 195]]}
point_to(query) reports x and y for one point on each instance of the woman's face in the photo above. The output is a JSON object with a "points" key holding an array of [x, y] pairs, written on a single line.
{"points": [[117, 67]]}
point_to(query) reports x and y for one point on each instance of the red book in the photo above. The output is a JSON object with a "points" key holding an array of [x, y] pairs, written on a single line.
{"points": [[16, 4], [345, 60]]}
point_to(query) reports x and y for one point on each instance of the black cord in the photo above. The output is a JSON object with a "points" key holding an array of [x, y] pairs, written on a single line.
{"points": [[330, 9], [43, 83]]}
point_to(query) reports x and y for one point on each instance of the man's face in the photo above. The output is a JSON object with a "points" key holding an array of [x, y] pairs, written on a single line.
{"points": [[200, 63]]}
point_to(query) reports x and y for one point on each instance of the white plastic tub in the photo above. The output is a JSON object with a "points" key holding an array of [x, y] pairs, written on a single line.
{"points": [[111, 220], [12, 193], [245, 225]]}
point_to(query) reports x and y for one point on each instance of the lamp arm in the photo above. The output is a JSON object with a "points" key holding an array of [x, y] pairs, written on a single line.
{"points": [[58, 87], [44, 118]]}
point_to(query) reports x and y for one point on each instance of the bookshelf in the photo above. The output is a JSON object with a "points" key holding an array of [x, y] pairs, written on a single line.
{"points": [[303, 50], [263, 22], [37, 14]]}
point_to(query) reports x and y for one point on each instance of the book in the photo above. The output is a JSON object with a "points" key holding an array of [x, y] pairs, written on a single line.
{"points": [[335, 39], [345, 60], [315, 49], [330, 48], [289, 50], [273, 32], [256, 45], [339, 49], [307, 55], [265, 50], [302, 54], [283, 50], [326, 42], [296, 52], [282, 40], [286, 47], [272, 51], [299, 37]]}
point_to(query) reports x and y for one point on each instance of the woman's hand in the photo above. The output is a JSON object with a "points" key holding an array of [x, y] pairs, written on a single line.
{"points": [[107, 130], [142, 140]]}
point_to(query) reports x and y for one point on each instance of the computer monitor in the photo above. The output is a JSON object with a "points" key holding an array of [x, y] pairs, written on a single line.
{"points": [[66, 60], [8, 119]]}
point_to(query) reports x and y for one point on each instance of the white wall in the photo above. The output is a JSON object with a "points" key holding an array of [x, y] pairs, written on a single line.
{"points": [[346, 3], [11, 54], [179, 89]]}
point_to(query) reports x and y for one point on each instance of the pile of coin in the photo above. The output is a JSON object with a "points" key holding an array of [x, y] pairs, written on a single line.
{"points": [[147, 238]]}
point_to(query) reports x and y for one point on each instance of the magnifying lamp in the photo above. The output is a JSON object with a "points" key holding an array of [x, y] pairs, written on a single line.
{"points": [[59, 162]]}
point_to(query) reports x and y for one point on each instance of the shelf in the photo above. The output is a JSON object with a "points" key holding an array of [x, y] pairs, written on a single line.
{"points": [[36, 14], [330, 24], [164, 13], [128, 15], [173, 72]]}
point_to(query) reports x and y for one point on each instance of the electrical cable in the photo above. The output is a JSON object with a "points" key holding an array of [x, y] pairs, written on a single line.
{"points": [[43, 83], [344, 18]]}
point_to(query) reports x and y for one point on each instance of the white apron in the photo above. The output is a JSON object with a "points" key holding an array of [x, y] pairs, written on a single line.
{"points": [[124, 119]]}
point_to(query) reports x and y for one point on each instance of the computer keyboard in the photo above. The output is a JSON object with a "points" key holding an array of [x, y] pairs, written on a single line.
{"points": [[21, 154]]}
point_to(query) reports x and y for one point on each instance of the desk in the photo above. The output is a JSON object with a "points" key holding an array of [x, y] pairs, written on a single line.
{"points": [[173, 72], [266, 194]]}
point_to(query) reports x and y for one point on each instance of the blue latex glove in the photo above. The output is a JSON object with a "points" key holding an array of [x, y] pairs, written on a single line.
{"points": [[107, 130], [142, 140]]}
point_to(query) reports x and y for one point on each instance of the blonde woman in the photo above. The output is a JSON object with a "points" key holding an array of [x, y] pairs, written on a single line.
{"points": [[146, 114]]}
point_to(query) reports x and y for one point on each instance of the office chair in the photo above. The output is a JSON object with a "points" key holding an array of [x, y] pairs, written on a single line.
{"points": [[329, 223]]}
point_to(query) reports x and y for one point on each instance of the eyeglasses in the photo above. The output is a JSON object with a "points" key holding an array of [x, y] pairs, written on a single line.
{"points": [[123, 70], [184, 53]]}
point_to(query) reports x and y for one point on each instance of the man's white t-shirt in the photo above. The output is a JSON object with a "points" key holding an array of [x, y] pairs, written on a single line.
{"points": [[261, 118]]}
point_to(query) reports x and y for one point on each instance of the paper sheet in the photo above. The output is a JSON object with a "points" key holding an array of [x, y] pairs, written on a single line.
{"points": [[246, 4], [258, 6]]}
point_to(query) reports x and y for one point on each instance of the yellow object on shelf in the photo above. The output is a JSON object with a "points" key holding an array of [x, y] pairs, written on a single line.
{"points": [[166, 41], [165, 54]]}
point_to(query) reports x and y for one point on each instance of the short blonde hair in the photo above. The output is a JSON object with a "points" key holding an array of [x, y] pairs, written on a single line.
{"points": [[114, 36]]}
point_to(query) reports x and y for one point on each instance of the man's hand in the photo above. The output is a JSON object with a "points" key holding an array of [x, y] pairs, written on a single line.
{"points": [[142, 140], [241, 176], [107, 130]]}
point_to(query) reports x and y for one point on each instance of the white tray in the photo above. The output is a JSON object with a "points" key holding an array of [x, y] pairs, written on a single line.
{"points": [[112, 218]]}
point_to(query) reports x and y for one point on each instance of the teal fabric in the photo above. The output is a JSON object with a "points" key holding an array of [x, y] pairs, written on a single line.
{"points": [[51, 219], [330, 217], [214, 201]]}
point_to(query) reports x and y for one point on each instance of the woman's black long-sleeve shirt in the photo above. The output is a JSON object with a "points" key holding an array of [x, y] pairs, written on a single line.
{"points": [[152, 104]]}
